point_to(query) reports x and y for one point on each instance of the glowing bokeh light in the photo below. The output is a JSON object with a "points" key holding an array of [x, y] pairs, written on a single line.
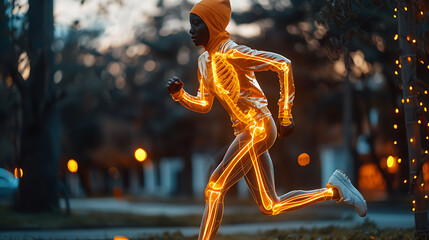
{"points": [[72, 165], [120, 238], [18, 172], [303, 159], [390, 161], [140, 155]]}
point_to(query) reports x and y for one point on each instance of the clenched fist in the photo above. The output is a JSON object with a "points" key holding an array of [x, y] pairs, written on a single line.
{"points": [[174, 85]]}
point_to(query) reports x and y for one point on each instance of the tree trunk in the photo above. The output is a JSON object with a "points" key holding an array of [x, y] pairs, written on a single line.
{"points": [[347, 120], [407, 32], [40, 132]]}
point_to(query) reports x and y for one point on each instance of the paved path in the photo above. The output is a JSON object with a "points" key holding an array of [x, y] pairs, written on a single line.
{"points": [[142, 208], [383, 217]]}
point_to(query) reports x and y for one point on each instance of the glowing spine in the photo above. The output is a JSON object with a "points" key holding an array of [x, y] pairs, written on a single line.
{"points": [[227, 87]]}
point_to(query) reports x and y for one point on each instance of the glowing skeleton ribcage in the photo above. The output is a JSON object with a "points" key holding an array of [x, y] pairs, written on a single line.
{"points": [[226, 78], [227, 86]]}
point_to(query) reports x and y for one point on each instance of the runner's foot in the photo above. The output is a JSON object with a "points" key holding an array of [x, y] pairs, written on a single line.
{"points": [[349, 195]]}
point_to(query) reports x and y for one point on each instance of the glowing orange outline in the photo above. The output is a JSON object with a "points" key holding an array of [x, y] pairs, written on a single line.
{"points": [[194, 103], [258, 133], [215, 189], [284, 111], [201, 102]]}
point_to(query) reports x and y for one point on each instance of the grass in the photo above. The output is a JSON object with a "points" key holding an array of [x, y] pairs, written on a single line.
{"points": [[365, 231]]}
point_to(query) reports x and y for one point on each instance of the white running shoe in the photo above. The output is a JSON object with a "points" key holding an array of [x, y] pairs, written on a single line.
{"points": [[349, 195]]}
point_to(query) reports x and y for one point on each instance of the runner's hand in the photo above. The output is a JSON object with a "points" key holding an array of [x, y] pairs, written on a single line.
{"points": [[285, 131], [174, 85]]}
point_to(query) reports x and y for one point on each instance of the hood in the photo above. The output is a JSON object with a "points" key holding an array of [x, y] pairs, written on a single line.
{"points": [[216, 14]]}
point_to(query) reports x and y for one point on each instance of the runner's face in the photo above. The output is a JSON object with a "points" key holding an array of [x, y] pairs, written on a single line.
{"points": [[199, 31]]}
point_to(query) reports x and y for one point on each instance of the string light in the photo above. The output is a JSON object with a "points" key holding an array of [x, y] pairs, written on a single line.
{"points": [[422, 184], [414, 160], [395, 126], [395, 142]]}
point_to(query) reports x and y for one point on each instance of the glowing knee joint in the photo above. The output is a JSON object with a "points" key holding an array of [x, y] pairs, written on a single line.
{"points": [[212, 194]]}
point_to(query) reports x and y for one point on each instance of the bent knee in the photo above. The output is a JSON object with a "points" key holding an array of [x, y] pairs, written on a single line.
{"points": [[211, 193]]}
